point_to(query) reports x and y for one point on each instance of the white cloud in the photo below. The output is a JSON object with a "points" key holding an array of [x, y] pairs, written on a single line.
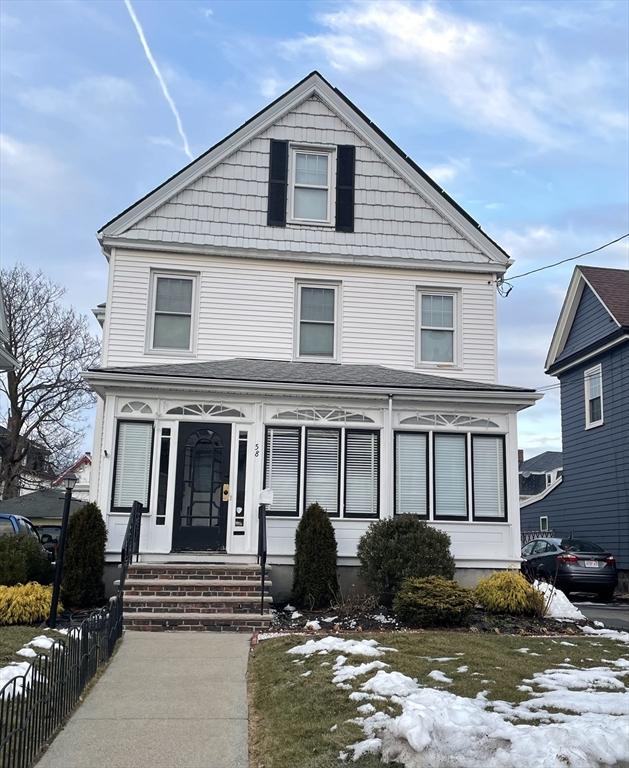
{"points": [[493, 80], [445, 172], [270, 87]]}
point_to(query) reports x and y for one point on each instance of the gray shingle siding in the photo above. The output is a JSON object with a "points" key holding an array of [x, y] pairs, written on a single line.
{"points": [[593, 499], [592, 322]]}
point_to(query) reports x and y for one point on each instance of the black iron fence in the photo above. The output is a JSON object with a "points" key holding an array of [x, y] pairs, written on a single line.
{"points": [[35, 703], [527, 536]]}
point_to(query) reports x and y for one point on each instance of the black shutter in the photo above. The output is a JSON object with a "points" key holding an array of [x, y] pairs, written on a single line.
{"points": [[278, 175], [345, 160]]}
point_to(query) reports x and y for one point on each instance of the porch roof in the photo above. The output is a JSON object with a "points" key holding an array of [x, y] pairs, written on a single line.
{"points": [[317, 374]]}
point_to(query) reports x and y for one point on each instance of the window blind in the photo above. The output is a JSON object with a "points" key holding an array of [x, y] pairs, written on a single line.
{"points": [[132, 466], [411, 474], [362, 476], [488, 477], [322, 469], [282, 469], [450, 476]]}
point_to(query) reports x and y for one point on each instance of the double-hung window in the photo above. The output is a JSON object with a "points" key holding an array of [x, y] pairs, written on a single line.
{"points": [[132, 464], [437, 341], [337, 468], [316, 321], [593, 384], [488, 477], [311, 185], [172, 312]]}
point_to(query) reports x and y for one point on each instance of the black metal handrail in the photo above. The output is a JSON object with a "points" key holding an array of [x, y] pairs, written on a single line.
{"points": [[131, 542], [262, 552], [35, 703]]}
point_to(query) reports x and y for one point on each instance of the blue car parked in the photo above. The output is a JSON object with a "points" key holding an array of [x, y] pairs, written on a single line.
{"points": [[14, 524]]}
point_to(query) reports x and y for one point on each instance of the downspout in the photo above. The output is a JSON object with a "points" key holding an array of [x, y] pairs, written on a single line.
{"points": [[391, 456]]}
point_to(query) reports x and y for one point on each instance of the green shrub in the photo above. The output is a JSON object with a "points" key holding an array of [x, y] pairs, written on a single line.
{"points": [[25, 604], [84, 562], [315, 582], [433, 602], [22, 559], [509, 592], [399, 548]]}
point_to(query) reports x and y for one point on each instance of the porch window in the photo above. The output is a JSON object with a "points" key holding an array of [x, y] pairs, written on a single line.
{"points": [[316, 321], [172, 312], [362, 475], [339, 469], [282, 467], [488, 477], [450, 476], [323, 467], [593, 383], [411, 473], [132, 464], [437, 325]]}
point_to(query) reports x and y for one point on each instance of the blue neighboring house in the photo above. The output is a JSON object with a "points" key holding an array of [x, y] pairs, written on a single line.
{"points": [[589, 354]]}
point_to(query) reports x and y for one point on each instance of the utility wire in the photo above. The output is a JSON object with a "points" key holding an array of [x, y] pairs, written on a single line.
{"points": [[504, 286]]}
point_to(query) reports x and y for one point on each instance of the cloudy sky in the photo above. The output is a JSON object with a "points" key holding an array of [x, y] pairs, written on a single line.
{"points": [[519, 109]]}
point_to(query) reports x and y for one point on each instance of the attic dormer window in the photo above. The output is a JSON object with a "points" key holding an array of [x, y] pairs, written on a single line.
{"points": [[311, 178]]}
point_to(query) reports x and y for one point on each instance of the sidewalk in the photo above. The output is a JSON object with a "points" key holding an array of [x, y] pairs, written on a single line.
{"points": [[167, 700]]}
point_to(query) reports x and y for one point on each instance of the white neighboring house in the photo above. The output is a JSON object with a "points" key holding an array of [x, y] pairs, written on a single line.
{"points": [[302, 308], [82, 470]]}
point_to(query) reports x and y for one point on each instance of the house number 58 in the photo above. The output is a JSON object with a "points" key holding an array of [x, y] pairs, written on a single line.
{"points": [[257, 451]]}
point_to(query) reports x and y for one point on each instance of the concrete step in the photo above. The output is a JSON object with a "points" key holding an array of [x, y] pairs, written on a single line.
{"points": [[194, 587], [196, 571], [194, 604], [214, 622]]}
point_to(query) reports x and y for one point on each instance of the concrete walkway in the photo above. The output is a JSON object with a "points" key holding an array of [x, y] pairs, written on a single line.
{"points": [[167, 700]]}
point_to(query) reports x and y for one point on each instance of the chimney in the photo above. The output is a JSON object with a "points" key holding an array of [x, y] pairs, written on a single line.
{"points": [[520, 456]]}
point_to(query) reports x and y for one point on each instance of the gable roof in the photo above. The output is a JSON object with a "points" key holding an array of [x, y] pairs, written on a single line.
{"points": [[44, 503], [86, 458], [611, 288], [312, 84], [321, 374], [543, 462]]}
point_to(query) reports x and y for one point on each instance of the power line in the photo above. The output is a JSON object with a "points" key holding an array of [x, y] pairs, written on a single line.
{"points": [[506, 291]]}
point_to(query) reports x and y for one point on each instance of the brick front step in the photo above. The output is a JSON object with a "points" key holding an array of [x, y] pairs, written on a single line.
{"points": [[222, 604], [193, 587], [216, 622], [195, 571]]}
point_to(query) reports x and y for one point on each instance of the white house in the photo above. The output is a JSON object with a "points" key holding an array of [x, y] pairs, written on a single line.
{"points": [[302, 308]]}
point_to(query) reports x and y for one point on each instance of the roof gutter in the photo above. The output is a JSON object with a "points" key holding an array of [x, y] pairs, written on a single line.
{"points": [[102, 381]]}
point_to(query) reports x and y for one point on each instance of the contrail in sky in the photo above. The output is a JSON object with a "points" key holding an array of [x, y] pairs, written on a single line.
{"points": [[160, 79]]}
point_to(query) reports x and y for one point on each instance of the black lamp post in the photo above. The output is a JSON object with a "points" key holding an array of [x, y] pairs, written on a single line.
{"points": [[69, 483]]}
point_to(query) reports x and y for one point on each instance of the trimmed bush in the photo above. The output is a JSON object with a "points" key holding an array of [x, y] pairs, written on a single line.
{"points": [[22, 559], [84, 562], [433, 602], [509, 592], [315, 582], [25, 604], [400, 548]]}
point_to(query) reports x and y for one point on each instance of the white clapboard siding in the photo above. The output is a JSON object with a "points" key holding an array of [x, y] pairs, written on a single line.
{"points": [[246, 309], [227, 207]]}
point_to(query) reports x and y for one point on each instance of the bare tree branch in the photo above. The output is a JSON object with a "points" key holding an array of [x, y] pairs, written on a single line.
{"points": [[45, 396]]}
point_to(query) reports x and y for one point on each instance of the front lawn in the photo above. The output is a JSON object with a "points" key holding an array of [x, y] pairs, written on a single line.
{"points": [[13, 638], [300, 718]]}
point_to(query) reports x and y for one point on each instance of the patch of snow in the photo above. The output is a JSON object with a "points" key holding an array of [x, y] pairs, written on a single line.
{"points": [[289, 608], [329, 619], [295, 615], [366, 709], [41, 641], [306, 674], [598, 623], [312, 625], [333, 728], [611, 634], [28, 653], [366, 747], [440, 659], [462, 669], [440, 677], [557, 604], [353, 647], [347, 672], [565, 642], [382, 619]]}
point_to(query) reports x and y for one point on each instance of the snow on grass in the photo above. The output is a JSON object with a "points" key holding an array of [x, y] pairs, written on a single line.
{"points": [[462, 669], [312, 625], [440, 659], [28, 653], [611, 634], [353, 647], [557, 604], [43, 642], [439, 677], [572, 718]]}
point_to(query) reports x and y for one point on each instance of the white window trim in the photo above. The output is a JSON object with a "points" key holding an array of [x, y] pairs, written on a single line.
{"points": [[457, 355], [336, 356], [150, 324], [292, 164], [587, 375]]}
